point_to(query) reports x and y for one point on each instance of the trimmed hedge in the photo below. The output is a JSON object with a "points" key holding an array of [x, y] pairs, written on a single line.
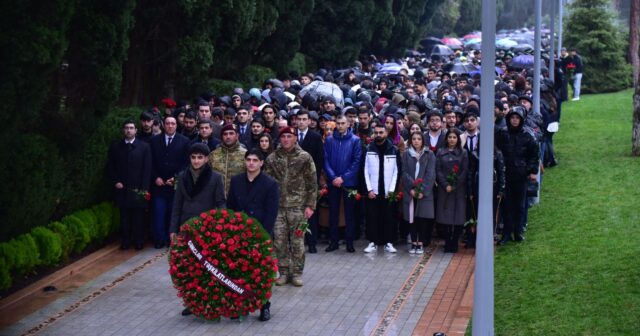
{"points": [[50, 245]]}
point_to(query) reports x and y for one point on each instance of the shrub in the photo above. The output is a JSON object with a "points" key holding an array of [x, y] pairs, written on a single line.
{"points": [[89, 219], [255, 75], [34, 177], [25, 254], [297, 64], [49, 245], [222, 87], [79, 231], [66, 238], [5, 276], [103, 215], [115, 220]]}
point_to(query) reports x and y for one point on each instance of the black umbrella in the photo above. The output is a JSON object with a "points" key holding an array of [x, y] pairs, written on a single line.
{"points": [[440, 50], [427, 43], [459, 68]]}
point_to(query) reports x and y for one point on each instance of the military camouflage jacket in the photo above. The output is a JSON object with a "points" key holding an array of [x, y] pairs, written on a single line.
{"points": [[295, 173], [228, 161]]}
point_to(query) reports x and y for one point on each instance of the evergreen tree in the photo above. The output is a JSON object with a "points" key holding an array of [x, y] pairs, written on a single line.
{"points": [[469, 17], [591, 30]]}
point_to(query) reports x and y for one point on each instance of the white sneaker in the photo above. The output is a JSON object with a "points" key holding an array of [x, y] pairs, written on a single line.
{"points": [[419, 250], [576, 98], [389, 248], [412, 250], [371, 248]]}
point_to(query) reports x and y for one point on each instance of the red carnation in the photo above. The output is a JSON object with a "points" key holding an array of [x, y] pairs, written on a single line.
{"points": [[357, 197], [456, 168], [147, 196]]}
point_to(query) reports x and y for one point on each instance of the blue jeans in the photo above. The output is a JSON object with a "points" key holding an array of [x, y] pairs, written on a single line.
{"points": [[162, 206], [335, 195]]}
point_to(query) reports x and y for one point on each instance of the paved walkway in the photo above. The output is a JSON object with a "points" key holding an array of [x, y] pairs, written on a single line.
{"points": [[344, 294]]}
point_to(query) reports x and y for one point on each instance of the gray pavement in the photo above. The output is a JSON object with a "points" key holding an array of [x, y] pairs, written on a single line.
{"points": [[343, 294]]}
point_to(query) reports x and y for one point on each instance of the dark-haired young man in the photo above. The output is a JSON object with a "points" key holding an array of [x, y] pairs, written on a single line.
{"points": [[130, 173], [146, 126], [257, 194], [205, 134]]}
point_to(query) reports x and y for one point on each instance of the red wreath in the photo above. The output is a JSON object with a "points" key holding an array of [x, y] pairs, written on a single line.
{"points": [[221, 264]]}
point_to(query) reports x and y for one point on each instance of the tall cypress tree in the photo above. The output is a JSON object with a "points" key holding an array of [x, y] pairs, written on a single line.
{"points": [[591, 30]]}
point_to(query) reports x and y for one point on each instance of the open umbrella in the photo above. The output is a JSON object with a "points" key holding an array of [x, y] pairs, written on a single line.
{"points": [[506, 43], [522, 61], [452, 42], [471, 36], [412, 53], [440, 50], [522, 48], [318, 89], [427, 43], [459, 68]]}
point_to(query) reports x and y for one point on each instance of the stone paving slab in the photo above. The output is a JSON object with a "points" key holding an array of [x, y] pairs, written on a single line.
{"points": [[344, 294]]}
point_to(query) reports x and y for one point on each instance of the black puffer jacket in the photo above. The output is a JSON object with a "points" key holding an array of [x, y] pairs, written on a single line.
{"points": [[519, 149]]}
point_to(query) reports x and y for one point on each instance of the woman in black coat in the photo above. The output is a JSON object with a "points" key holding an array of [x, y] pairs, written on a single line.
{"points": [[451, 176]]}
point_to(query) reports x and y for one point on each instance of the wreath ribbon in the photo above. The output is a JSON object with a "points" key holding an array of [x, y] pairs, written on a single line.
{"points": [[218, 274]]}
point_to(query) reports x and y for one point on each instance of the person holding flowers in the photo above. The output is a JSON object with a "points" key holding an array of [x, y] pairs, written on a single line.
{"points": [[418, 177], [451, 176], [130, 173], [295, 172], [341, 164]]}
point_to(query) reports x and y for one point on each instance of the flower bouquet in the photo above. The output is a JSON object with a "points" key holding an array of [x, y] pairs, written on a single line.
{"points": [[452, 177], [395, 196], [302, 228], [353, 193], [221, 264], [142, 194], [417, 187], [323, 192]]}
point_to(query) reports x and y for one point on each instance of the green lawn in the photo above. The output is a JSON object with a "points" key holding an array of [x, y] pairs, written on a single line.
{"points": [[578, 272]]}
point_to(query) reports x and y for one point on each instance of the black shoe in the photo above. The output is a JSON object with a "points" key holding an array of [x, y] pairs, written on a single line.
{"points": [[158, 245], [312, 249], [186, 312], [265, 313], [518, 237], [350, 248], [124, 246], [503, 241], [332, 247], [139, 247]]}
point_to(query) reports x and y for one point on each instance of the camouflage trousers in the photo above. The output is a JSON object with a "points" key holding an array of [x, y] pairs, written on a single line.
{"points": [[288, 246]]}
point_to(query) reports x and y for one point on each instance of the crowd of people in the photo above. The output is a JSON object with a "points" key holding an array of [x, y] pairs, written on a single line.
{"points": [[396, 154]]}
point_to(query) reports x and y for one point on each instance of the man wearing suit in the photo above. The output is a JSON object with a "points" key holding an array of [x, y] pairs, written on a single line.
{"points": [[257, 195], [311, 142], [470, 139], [243, 125], [169, 152], [205, 135], [435, 134], [130, 173]]}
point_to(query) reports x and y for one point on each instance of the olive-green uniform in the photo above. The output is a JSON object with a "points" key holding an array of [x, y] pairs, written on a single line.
{"points": [[295, 173], [228, 162]]}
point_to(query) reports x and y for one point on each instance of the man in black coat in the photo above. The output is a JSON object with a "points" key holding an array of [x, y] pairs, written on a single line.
{"points": [[311, 142], [130, 173], [521, 157], [256, 194], [169, 152]]}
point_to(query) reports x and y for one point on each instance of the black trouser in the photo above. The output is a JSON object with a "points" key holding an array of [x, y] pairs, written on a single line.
{"points": [[421, 230], [381, 227], [452, 236], [132, 225], [514, 203]]}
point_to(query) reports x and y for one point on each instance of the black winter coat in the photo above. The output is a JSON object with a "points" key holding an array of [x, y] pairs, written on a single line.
{"points": [[520, 153], [258, 200], [168, 160], [192, 199], [130, 166]]}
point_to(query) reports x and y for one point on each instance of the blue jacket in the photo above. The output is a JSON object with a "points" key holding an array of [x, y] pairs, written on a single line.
{"points": [[342, 157]]}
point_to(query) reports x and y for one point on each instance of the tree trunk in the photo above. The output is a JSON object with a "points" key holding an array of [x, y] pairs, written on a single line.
{"points": [[634, 39], [634, 57]]}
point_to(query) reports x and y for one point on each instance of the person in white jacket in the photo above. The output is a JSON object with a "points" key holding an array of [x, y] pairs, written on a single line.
{"points": [[381, 170]]}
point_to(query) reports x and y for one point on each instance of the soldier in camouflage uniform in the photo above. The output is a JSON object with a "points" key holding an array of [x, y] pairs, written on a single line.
{"points": [[228, 159], [295, 173]]}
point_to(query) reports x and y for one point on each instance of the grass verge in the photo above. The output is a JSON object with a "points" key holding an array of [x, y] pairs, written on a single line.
{"points": [[578, 271]]}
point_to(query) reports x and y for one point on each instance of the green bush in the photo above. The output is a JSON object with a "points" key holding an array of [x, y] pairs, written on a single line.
{"points": [[5, 276], [34, 178], [103, 215], [90, 221], [49, 245], [222, 87], [115, 220], [297, 64], [89, 185], [80, 232], [255, 75], [25, 255], [66, 238]]}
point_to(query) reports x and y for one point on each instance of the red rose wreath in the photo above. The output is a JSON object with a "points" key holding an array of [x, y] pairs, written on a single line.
{"points": [[221, 264]]}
